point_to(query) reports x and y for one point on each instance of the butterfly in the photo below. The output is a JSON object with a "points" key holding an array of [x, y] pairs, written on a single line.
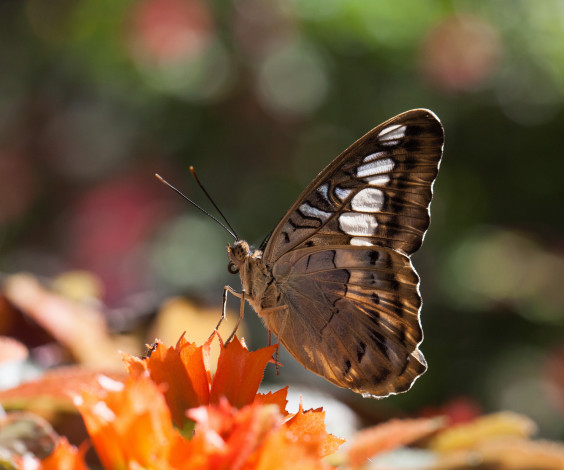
{"points": [[334, 280]]}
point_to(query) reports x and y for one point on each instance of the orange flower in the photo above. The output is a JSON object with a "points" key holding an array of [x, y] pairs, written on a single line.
{"points": [[233, 427]]}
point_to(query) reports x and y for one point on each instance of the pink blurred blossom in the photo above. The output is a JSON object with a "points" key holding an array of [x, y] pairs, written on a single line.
{"points": [[457, 410], [108, 228], [170, 31], [461, 53]]}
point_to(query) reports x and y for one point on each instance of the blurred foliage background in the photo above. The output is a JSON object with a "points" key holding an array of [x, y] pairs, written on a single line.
{"points": [[96, 96]]}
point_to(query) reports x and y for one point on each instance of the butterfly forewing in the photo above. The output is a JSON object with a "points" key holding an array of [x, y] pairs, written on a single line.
{"points": [[377, 192]]}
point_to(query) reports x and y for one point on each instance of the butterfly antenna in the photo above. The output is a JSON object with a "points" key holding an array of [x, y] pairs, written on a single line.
{"points": [[193, 171], [230, 231]]}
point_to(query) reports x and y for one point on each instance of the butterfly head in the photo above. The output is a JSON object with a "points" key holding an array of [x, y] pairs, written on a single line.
{"points": [[238, 253]]}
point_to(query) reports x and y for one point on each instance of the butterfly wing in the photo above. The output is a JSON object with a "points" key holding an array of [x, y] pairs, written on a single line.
{"points": [[352, 316], [377, 192], [340, 259]]}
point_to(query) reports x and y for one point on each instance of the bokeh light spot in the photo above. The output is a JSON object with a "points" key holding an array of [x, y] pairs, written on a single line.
{"points": [[190, 252], [293, 80], [170, 31], [496, 266], [461, 53]]}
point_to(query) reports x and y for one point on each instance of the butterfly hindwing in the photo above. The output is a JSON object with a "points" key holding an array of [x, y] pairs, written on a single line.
{"points": [[353, 316], [377, 192]]}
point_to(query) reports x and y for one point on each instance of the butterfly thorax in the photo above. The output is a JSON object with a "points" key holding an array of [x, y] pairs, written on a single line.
{"points": [[256, 277]]}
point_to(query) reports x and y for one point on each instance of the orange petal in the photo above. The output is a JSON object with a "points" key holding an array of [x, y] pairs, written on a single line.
{"points": [[284, 450], [189, 455], [217, 419], [227, 436], [183, 371], [128, 423], [65, 457], [388, 436], [135, 366], [251, 426], [239, 373], [278, 398], [309, 426]]}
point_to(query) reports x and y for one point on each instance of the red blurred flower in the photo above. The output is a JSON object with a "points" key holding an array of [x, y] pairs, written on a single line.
{"points": [[107, 226], [460, 53], [170, 31], [456, 411]]}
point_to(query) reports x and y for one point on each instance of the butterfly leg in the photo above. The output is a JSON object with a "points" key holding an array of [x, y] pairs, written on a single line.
{"points": [[224, 307], [276, 363], [241, 312]]}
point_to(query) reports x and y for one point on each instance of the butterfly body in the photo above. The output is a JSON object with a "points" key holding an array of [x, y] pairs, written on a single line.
{"points": [[256, 277], [335, 281]]}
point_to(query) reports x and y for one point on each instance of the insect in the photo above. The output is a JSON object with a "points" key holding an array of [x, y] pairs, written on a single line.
{"points": [[334, 280]]}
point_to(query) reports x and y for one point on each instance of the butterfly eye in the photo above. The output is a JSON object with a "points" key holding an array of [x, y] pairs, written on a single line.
{"points": [[232, 268]]}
